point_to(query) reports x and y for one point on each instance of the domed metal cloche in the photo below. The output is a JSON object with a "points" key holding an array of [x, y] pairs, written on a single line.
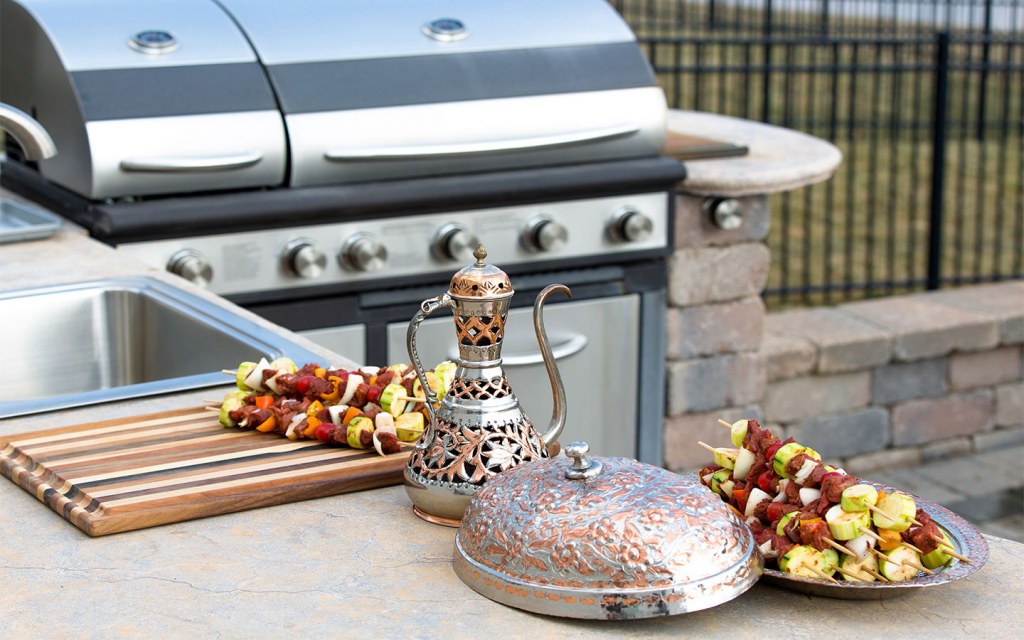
{"points": [[605, 538]]}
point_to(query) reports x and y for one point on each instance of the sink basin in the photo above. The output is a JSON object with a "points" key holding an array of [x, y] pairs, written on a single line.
{"points": [[121, 338]]}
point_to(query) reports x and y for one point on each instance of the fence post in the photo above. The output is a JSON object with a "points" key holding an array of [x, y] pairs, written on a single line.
{"points": [[767, 76], [986, 59], [939, 121]]}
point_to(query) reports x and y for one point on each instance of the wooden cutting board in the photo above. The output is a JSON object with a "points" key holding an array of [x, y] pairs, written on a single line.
{"points": [[133, 473]]}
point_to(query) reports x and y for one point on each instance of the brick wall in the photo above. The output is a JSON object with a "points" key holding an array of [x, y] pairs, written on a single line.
{"points": [[888, 382]]}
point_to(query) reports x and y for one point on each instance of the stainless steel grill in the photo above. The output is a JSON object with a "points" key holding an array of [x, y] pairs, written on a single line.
{"points": [[325, 162]]}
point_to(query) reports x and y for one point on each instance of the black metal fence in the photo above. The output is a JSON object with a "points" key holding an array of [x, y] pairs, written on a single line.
{"points": [[924, 97]]}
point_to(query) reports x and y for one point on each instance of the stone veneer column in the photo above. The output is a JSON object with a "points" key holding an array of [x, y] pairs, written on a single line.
{"points": [[715, 318]]}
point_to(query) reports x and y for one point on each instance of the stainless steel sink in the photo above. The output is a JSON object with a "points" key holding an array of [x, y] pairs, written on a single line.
{"points": [[120, 338]]}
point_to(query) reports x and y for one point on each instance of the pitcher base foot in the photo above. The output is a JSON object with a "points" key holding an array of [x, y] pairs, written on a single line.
{"points": [[442, 520]]}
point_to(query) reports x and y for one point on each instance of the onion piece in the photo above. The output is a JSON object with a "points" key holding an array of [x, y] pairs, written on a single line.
{"points": [[804, 473], [809, 495], [385, 423], [781, 495], [354, 380], [337, 412], [727, 487], [860, 545], [744, 462], [290, 431], [755, 498], [255, 378], [767, 552]]}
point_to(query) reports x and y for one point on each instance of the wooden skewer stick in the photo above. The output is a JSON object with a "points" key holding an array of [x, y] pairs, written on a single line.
{"points": [[724, 423], [906, 563], [823, 575], [918, 566], [229, 372], [949, 550], [838, 547], [877, 575], [706, 446], [875, 509], [853, 576], [217, 409]]}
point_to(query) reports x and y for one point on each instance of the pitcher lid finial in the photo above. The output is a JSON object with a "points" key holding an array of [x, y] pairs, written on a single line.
{"points": [[480, 280]]}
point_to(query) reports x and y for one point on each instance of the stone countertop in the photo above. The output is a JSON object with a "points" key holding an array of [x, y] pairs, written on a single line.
{"points": [[355, 565], [778, 159], [363, 565]]}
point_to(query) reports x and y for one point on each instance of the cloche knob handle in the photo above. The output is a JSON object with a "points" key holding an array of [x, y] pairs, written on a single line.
{"points": [[582, 468]]}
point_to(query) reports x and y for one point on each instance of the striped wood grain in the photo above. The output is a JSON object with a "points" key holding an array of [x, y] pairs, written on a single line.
{"points": [[132, 473]]}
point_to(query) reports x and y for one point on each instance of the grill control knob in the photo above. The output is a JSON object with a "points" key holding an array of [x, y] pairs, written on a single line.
{"points": [[544, 234], [363, 252], [191, 265], [455, 242], [304, 259], [630, 225]]}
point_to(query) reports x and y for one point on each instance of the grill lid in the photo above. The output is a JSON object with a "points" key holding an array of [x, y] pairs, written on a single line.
{"points": [[162, 96], [416, 88]]}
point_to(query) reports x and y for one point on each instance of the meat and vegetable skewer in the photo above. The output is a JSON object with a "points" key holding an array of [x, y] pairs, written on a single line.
{"points": [[899, 509], [378, 407], [813, 518]]}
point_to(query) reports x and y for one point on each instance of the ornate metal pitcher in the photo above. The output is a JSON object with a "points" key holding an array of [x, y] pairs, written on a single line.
{"points": [[479, 428]]}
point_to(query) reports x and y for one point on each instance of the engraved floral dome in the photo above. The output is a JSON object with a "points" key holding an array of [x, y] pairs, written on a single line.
{"points": [[481, 280], [633, 541]]}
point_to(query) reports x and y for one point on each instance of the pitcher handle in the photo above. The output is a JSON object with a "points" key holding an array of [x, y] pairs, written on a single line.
{"points": [[427, 307], [557, 388]]}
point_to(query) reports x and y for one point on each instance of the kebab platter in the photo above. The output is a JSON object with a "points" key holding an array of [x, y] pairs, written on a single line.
{"points": [[814, 522]]}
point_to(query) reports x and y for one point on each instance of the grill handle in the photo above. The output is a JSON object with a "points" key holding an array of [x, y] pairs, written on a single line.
{"points": [[188, 165], [482, 148]]}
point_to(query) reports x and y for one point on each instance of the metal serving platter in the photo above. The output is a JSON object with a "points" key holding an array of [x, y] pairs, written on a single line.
{"points": [[967, 541]]}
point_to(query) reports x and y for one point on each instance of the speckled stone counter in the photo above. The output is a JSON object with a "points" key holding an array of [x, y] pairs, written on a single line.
{"points": [[357, 565], [778, 159], [362, 565]]}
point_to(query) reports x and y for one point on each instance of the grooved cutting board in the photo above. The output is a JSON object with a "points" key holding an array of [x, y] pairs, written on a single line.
{"points": [[119, 475]]}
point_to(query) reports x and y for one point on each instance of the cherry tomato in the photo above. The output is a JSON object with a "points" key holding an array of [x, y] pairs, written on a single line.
{"points": [[769, 455], [302, 386], [764, 481], [774, 511], [830, 474], [323, 432], [373, 394]]}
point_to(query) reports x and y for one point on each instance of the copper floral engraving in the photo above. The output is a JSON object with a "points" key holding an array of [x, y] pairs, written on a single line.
{"points": [[632, 527], [472, 453]]}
